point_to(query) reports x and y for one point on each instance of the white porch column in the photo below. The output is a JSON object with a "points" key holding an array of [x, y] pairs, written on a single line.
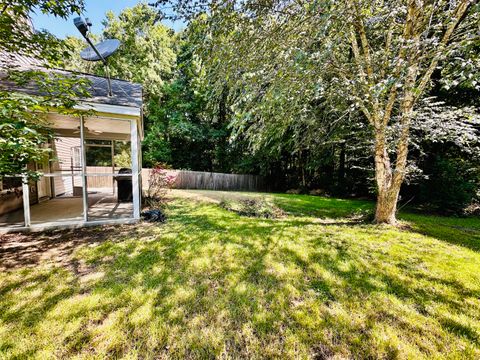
{"points": [[135, 148], [26, 201], [84, 168]]}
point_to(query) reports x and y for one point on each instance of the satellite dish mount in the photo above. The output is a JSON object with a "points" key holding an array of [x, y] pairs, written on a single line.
{"points": [[99, 52]]}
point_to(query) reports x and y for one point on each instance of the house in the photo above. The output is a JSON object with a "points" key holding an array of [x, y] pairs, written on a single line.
{"points": [[94, 173]]}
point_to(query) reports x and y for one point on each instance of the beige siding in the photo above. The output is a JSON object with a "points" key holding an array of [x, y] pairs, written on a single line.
{"points": [[63, 149], [63, 152]]}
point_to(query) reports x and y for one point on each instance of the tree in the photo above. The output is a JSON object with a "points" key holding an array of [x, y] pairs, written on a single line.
{"points": [[74, 62], [376, 57], [24, 130], [146, 54], [396, 71], [23, 126], [16, 30], [183, 131]]}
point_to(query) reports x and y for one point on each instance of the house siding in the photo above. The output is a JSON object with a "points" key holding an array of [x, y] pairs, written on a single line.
{"points": [[63, 163]]}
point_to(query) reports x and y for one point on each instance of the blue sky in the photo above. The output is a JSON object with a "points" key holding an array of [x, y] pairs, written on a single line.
{"points": [[94, 9]]}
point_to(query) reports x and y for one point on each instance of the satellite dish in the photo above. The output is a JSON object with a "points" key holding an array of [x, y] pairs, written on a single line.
{"points": [[105, 49], [97, 52]]}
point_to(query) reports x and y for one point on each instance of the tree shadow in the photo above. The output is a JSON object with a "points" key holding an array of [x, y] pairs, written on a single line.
{"points": [[21, 250], [323, 207], [208, 281], [463, 232]]}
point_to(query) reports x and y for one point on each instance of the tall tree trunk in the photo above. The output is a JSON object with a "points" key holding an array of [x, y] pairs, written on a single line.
{"points": [[341, 168], [387, 190], [386, 209], [389, 181]]}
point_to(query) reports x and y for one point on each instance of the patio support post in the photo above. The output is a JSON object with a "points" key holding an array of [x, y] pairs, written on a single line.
{"points": [[26, 201], [112, 150], [84, 168], [134, 144]]}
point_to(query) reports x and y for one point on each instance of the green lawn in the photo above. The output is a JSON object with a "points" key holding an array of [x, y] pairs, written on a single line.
{"points": [[209, 283]]}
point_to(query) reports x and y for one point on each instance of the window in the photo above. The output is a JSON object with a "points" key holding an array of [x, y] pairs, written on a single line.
{"points": [[99, 155]]}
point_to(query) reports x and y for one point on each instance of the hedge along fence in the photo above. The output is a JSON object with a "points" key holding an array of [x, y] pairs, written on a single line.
{"points": [[185, 179]]}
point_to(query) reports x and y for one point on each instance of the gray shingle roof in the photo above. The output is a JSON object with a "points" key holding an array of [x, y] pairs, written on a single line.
{"points": [[125, 93]]}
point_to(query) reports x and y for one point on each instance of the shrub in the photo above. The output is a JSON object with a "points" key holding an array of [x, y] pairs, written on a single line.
{"points": [[260, 208], [294, 191], [158, 185], [451, 187], [473, 209], [317, 192]]}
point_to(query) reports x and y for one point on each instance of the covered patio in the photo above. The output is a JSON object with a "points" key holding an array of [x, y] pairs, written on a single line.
{"points": [[93, 175], [101, 206]]}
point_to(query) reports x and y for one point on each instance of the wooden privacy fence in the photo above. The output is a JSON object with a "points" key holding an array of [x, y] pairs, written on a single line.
{"points": [[185, 179], [100, 181]]}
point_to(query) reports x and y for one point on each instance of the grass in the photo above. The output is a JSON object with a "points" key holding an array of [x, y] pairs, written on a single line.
{"points": [[210, 283]]}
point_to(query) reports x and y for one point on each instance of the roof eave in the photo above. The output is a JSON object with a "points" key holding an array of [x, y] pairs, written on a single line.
{"points": [[110, 109]]}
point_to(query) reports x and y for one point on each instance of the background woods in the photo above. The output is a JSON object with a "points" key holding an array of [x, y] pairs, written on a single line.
{"points": [[352, 99]]}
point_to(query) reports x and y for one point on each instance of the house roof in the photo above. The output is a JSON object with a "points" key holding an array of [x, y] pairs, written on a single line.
{"points": [[125, 93]]}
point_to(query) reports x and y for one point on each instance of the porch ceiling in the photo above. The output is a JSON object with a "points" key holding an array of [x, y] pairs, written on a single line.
{"points": [[97, 127]]}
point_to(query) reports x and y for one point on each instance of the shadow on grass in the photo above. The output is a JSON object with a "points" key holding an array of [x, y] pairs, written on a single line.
{"points": [[210, 283], [457, 231], [19, 250], [307, 205]]}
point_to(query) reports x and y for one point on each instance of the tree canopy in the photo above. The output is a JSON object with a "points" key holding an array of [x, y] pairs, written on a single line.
{"points": [[146, 55], [23, 127], [290, 65]]}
